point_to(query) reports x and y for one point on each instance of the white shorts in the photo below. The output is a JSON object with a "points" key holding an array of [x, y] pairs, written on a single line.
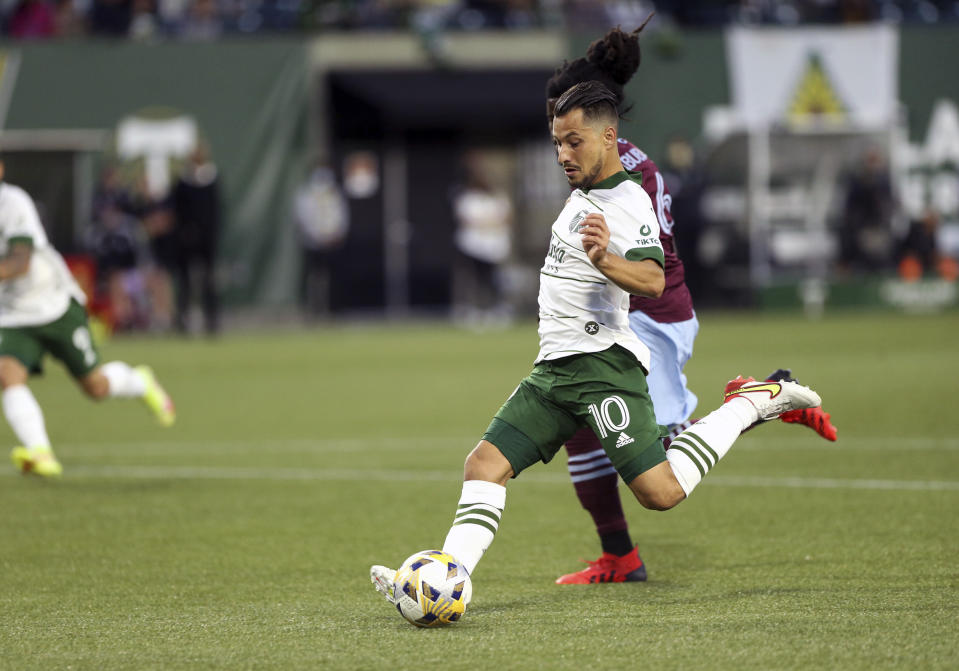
{"points": [[670, 346]]}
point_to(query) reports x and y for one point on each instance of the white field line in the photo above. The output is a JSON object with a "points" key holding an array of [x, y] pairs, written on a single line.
{"points": [[362, 475], [752, 441]]}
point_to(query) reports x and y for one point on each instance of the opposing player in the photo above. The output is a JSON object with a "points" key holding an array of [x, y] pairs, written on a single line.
{"points": [[667, 325], [591, 367], [42, 312]]}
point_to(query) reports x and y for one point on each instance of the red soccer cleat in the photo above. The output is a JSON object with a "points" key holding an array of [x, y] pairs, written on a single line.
{"points": [[815, 418], [608, 568]]}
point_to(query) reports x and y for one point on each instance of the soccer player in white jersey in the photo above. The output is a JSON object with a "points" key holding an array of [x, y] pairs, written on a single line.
{"points": [[42, 312], [667, 325], [591, 368]]}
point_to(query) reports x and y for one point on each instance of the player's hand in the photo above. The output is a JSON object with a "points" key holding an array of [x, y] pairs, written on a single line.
{"points": [[595, 236]]}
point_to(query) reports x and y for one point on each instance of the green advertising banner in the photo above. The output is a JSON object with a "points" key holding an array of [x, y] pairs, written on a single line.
{"points": [[250, 100]]}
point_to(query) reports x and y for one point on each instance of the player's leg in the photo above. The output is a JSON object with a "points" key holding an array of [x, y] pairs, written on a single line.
{"points": [[480, 506], [528, 428], [69, 340], [693, 453], [117, 379], [19, 353], [478, 512], [597, 487]]}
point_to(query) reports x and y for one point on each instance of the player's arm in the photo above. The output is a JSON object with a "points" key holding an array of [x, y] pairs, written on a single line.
{"points": [[17, 260], [643, 277]]}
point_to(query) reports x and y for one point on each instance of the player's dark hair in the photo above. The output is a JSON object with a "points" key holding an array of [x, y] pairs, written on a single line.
{"points": [[612, 59], [593, 97]]}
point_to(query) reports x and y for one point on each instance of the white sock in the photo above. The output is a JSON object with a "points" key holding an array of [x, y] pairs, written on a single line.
{"points": [[477, 519], [700, 447], [25, 417], [124, 381]]}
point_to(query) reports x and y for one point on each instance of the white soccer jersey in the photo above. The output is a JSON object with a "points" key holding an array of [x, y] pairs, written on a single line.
{"points": [[580, 310], [43, 294]]}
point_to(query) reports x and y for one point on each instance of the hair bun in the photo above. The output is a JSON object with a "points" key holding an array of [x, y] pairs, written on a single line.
{"points": [[617, 54]]}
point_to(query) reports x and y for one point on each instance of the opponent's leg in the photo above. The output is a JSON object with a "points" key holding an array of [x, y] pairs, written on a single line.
{"points": [[597, 487]]}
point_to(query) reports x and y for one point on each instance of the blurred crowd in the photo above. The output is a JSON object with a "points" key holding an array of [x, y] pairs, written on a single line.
{"points": [[211, 19], [154, 253]]}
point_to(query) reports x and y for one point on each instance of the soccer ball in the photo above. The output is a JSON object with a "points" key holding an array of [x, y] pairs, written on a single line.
{"points": [[431, 588]]}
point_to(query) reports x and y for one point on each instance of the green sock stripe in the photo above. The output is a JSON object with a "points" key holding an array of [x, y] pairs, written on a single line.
{"points": [[481, 523], [674, 446], [473, 507], [699, 452], [460, 514], [704, 445]]}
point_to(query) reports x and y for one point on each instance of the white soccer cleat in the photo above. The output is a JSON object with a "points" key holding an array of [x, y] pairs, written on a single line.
{"points": [[382, 579], [772, 399]]}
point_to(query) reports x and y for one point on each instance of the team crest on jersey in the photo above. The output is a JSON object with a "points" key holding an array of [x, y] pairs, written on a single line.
{"points": [[577, 220], [592, 328]]}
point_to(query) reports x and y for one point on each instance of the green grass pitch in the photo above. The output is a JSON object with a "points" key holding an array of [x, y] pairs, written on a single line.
{"points": [[241, 538]]}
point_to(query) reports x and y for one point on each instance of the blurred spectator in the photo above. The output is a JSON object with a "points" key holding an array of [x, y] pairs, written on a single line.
{"points": [[919, 253], [170, 13], [322, 217], [117, 245], [196, 211], [679, 164], [111, 18], [209, 19], [865, 238], [144, 24], [202, 21], [484, 222], [32, 19], [156, 218], [686, 183], [70, 21]]}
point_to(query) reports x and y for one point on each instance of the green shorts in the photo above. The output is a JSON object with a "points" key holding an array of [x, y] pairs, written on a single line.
{"points": [[67, 339], [604, 390]]}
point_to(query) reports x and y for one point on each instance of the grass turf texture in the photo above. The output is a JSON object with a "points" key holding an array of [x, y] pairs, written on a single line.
{"points": [[241, 538]]}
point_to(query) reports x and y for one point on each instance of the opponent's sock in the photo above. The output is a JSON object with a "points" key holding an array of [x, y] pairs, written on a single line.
{"points": [[124, 380], [477, 519], [597, 487], [695, 451], [25, 417], [617, 543], [676, 429]]}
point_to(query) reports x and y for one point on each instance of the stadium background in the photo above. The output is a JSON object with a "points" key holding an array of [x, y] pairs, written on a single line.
{"points": [[241, 537], [271, 105]]}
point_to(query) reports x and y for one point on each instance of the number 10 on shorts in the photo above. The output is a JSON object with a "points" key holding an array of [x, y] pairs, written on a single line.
{"points": [[604, 418]]}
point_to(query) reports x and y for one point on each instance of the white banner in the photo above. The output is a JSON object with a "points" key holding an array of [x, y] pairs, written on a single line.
{"points": [[814, 77]]}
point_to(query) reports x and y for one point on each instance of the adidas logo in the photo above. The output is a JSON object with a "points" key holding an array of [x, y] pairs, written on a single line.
{"points": [[623, 440]]}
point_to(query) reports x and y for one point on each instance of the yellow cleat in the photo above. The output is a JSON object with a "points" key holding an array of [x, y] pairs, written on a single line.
{"points": [[38, 460], [156, 399]]}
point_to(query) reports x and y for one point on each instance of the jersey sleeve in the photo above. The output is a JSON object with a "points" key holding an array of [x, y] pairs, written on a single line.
{"points": [[21, 222], [638, 238]]}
